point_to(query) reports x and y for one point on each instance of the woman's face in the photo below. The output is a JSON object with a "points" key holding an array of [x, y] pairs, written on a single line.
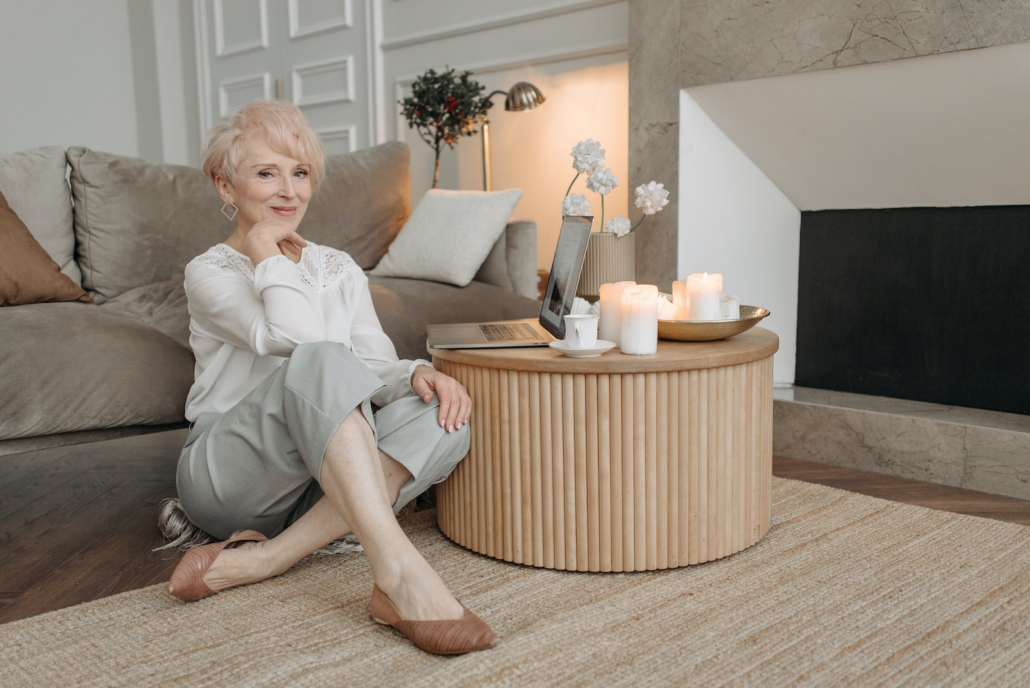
{"points": [[269, 186]]}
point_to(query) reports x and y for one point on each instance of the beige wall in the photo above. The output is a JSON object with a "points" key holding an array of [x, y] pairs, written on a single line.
{"points": [[575, 52], [585, 99]]}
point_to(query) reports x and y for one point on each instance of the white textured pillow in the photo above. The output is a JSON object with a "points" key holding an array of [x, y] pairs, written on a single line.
{"points": [[34, 184], [449, 235]]}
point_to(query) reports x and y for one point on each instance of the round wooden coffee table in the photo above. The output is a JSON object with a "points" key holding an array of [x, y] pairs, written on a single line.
{"points": [[614, 463]]}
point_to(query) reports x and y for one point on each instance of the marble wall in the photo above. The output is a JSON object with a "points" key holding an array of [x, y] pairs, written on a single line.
{"points": [[677, 44]]}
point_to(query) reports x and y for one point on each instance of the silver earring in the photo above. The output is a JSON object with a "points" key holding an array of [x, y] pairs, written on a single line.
{"points": [[234, 211]]}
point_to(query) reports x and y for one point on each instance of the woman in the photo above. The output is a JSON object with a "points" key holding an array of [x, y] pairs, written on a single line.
{"points": [[290, 357]]}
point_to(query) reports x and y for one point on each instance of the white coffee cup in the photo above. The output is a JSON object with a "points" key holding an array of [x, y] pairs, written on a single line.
{"points": [[581, 331]]}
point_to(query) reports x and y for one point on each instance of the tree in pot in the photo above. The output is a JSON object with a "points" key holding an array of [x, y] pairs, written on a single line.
{"points": [[443, 107]]}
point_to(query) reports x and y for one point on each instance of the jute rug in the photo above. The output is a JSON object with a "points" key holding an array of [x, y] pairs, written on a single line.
{"points": [[845, 589]]}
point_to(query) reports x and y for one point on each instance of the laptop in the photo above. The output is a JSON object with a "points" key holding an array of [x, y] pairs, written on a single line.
{"points": [[561, 290]]}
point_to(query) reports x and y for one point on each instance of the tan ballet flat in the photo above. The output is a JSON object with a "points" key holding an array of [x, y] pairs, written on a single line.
{"points": [[439, 637], [187, 582]]}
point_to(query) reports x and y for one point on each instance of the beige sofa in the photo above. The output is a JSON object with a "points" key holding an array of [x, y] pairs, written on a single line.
{"points": [[125, 229]]}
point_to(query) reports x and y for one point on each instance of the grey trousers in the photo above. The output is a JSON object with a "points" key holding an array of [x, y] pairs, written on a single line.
{"points": [[257, 466]]}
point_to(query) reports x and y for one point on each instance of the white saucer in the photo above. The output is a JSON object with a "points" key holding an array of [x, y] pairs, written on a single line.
{"points": [[596, 350]]}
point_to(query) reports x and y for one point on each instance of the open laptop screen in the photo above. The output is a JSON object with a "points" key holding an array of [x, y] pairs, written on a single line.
{"points": [[565, 271]]}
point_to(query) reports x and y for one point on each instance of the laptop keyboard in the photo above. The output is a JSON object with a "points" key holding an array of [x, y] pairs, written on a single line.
{"points": [[516, 332]]}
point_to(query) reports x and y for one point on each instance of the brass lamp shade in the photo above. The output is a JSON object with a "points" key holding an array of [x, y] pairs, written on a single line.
{"points": [[523, 96]]}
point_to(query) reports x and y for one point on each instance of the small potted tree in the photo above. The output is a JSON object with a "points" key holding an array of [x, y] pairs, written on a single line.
{"points": [[444, 107]]}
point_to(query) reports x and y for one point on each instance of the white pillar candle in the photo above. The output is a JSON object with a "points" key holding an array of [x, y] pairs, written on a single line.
{"points": [[679, 299], [703, 294], [610, 327], [640, 320], [666, 311], [730, 307]]}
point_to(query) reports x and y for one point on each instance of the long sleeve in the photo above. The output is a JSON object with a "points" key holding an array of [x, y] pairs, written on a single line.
{"points": [[270, 317], [372, 346], [245, 322]]}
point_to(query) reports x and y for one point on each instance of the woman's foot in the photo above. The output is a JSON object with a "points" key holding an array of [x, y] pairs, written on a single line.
{"points": [[242, 565], [440, 637], [417, 592], [206, 570]]}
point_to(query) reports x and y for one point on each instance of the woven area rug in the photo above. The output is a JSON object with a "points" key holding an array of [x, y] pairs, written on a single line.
{"points": [[844, 589]]}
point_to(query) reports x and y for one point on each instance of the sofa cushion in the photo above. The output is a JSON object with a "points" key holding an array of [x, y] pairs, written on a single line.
{"points": [[449, 235], [362, 202], [406, 306], [161, 306], [36, 188], [27, 273], [137, 223], [72, 366]]}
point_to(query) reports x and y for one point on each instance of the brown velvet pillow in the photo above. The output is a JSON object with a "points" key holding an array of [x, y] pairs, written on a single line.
{"points": [[27, 273]]}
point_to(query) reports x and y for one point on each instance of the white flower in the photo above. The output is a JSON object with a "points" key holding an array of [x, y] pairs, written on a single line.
{"points": [[602, 181], [651, 197], [575, 205], [618, 225], [587, 156]]}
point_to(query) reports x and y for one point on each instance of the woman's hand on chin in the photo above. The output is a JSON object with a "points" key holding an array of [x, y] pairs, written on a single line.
{"points": [[272, 238], [455, 404]]}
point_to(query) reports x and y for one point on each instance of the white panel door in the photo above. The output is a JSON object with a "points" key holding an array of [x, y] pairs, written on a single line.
{"points": [[311, 52]]}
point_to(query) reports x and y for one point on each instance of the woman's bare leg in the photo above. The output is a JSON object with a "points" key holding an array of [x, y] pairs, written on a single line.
{"points": [[355, 483], [252, 562]]}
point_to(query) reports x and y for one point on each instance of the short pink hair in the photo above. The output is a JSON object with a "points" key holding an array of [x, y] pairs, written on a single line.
{"points": [[279, 123]]}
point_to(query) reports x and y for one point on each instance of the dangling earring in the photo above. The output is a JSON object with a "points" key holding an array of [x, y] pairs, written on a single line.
{"points": [[234, 211]]}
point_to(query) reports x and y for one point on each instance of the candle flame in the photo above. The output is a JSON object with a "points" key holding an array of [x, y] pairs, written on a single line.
{"points": [[705, 276]]}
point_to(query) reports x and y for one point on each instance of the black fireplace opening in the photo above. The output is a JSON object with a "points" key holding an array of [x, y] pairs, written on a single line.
{"points": [[929, 304]]}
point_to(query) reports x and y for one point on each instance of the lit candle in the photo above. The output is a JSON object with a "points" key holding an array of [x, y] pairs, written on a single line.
{"points": [[704, 293], [640, 319], [611, 320], [680, 300]]}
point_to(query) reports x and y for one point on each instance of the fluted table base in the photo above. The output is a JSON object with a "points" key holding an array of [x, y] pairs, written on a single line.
{"points": [[599, 471]]}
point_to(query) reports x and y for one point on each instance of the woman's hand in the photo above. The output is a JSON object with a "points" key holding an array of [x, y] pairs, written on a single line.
{"points": [[272, 238], [455, 404]]}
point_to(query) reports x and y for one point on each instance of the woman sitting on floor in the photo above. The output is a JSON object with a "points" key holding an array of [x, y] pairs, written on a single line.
{"points": [[290, 358]]}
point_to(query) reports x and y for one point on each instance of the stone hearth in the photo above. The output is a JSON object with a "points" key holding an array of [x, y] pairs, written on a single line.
{"points": [[987, 451]]}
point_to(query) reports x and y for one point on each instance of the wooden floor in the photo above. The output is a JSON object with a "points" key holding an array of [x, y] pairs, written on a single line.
{"points": [[78, 523]]}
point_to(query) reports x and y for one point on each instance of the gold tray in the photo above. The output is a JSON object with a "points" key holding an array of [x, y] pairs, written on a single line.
{"points": [[711, 330]]}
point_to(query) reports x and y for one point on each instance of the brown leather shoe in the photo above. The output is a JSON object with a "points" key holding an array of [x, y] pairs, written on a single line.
{"points": [[439, 637], [187, 582]]}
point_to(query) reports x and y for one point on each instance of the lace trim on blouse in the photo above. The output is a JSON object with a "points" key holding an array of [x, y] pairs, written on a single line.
{"points": [[320, 267]]}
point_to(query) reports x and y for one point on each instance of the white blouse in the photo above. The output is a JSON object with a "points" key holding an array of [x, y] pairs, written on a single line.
{"points": [[246, 321]]}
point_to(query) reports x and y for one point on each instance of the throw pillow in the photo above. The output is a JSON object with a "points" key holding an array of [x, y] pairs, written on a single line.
{"points": [[27, 273], [36, 185], [137, 223], [449, 235], [362, 203]]}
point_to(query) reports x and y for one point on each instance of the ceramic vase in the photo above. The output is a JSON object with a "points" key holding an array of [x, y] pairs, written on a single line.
{"points": [[609, 258]]}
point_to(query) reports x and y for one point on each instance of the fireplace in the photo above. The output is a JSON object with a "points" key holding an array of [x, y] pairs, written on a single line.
{"points": [[903, 269], [965, 143], [928, 304]]}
